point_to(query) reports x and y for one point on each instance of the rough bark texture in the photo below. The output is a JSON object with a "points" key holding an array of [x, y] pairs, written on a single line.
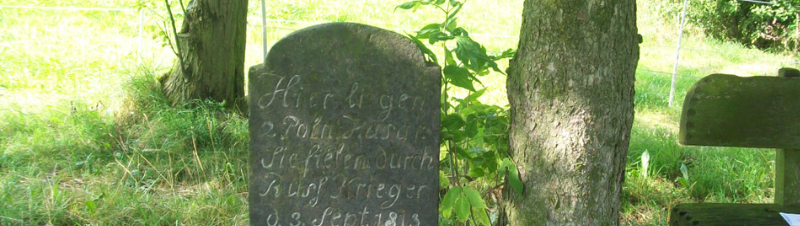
{"points": [[570, 87], [212, 44]]}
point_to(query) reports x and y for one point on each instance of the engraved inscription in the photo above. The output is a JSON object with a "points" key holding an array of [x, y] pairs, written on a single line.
{"points": [[315, 160]]}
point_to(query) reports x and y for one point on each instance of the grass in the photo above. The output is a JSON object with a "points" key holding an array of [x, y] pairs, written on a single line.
{"points": [[87, 138]]}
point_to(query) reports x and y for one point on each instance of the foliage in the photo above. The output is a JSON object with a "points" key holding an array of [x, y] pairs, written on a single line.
{"points": [[474, 135], [768, 25]]}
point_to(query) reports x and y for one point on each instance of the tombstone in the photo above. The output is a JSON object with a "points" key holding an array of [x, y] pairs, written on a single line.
{"points": [[344, 130], [757, 112]]}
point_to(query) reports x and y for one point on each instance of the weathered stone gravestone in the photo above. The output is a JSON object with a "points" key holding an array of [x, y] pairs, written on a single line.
{"points": [[759, 112], [344, 127]]}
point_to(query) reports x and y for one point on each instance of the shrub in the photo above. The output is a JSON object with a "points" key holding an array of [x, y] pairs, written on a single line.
{"points": [[769, 26]]}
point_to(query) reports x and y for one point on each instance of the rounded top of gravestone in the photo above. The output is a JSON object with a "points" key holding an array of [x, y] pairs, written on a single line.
{"points": [[324, 46]]}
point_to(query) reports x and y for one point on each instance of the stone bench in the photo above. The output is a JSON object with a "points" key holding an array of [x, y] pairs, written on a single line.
{"points": [[757, 112]]}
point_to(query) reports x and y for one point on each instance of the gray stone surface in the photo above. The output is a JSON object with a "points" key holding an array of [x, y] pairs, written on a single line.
{"points": [[344, 130], [732, 111]]}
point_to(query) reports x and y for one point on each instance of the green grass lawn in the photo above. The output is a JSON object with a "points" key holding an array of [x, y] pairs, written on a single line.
{"points": [[86, 137]]}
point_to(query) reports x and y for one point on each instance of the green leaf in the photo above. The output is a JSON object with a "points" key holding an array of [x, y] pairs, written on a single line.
{"points": [[445, 135], [683, 181], [478, 162], [462, 209], [477, 150], [501, 171], [429, 29], [514, 180], [54, 192], [450, 24], [90, 206], [439, 2], [454, 3], [509, 53], [449, 60], [455, 11], [481, 217], [408, 5], [475, 95], [458, 76], [453, 122], [474, 198], [472, 127], [467, 50], [475, 172], [685, 171], [449, 201], [513, 176], [460, 152], [494, 67], [430, 56], [491, 161], [437, 36], [473, 55], [460, 32]]}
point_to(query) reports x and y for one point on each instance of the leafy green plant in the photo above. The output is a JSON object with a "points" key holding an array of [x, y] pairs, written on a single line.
{"points": [[466, 203], [474, 135], [684, 178]]}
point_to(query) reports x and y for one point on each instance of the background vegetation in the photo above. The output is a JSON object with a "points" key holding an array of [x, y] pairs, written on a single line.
{"points": [[86, 137], [764, 24]]}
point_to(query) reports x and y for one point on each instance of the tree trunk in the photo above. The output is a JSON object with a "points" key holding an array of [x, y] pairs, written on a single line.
{"points": [[570, 86], [211, 43]]}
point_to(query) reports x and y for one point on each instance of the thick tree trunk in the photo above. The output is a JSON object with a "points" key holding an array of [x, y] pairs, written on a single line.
{"points": [[212, 44], [570, 87]]}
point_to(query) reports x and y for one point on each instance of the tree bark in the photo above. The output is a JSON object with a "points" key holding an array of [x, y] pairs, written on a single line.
{"points": [[571, 87], [211, 44]]}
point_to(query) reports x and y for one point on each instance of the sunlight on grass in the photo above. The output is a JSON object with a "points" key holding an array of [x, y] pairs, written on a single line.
{"points": [[657, 121]]}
